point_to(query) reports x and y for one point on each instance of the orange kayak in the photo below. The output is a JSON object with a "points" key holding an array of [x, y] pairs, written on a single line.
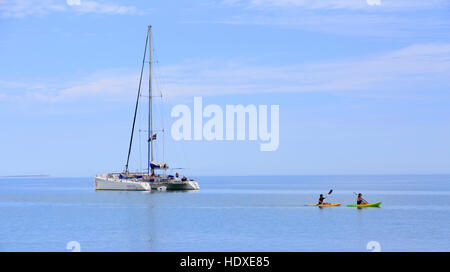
{"points": [[324, 205]]}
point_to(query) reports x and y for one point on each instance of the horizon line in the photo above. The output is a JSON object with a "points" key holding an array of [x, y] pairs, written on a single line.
{"points": [[271, 175]]}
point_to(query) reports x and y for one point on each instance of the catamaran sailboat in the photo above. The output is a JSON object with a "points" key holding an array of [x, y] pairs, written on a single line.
{"points": [[149, 179]]}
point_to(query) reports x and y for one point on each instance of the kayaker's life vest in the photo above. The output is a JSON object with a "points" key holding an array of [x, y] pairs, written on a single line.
{"points": [[321, 199]]}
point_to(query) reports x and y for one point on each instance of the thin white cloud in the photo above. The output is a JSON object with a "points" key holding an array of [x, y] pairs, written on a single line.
{"points": [[23, 8], [73, 2], [112, 87], [412, 68], [418, 67], [337, 4], [373, 18], [349, 24], [373, 2], [109, 85], [106, 8], [310, 4]]}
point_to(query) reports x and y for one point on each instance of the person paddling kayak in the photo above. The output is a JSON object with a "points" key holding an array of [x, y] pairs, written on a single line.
{"points": [[360, 200], [321, 199]]}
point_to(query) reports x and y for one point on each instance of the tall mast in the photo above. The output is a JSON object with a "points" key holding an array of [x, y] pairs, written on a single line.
{"points": [[150, 117], [136, 107]]}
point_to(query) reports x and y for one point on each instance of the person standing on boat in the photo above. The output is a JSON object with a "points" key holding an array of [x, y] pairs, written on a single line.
{"points": [[360, 200], [321, 199]]}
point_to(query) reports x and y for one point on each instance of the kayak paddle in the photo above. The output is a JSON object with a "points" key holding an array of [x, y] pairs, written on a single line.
{"points": [[329, 193]]}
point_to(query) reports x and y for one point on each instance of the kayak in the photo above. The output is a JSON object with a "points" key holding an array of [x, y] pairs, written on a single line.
{"points": [[324, 205], [376, 205]]}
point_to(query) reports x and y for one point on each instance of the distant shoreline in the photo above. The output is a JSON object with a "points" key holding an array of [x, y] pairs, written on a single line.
{"points": [[26, 176]]}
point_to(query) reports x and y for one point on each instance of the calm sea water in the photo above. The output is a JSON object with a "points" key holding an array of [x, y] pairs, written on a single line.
{"points": [[228, 214]]}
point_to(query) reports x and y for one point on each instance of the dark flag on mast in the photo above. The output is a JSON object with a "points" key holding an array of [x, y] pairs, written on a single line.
{"points": [[153, 138]]}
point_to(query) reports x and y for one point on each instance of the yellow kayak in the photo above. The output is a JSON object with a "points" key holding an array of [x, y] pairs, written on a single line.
{"points": [[324, 205]]}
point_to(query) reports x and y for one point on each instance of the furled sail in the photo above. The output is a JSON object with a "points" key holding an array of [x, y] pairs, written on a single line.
{"points": [[157, 165]]}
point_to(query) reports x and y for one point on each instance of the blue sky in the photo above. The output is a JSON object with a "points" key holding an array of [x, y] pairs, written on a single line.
{"points": [[363, 86]]}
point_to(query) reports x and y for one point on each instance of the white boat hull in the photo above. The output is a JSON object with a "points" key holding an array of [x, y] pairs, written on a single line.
{"points": [[113, 182], [176, 185], [106, 183]]}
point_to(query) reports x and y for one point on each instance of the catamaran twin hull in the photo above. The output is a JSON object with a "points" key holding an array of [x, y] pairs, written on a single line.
{"points": [[107, 182], [127, 181]]}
